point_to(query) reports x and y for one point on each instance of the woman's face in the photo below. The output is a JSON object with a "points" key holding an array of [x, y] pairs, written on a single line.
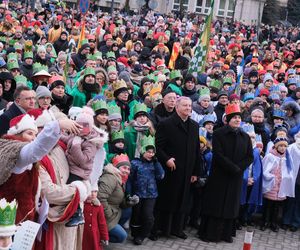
{"points": [[115, 123], [123, 96], [28, 135], [7, 85], [59, 91], [42, 54], [100, 78], [44, 102], [102, 118], [204, 103], [142, 119]]}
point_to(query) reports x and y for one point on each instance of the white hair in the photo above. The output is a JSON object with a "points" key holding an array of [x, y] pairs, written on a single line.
{"points": [[182, 98]]}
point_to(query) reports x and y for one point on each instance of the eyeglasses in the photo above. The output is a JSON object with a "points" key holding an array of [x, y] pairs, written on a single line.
{"points": [[92, 41]]}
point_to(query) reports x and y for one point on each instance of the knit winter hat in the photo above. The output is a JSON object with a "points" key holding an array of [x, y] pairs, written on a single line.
{"points": [[21, 123], [74, 112], [86, 116], [280, 141], [268, 77], [55, 81], [42, 91]]}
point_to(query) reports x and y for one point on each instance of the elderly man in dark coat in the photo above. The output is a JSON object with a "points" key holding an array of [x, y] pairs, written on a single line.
{"points": [[232, 154], [178, 150]]}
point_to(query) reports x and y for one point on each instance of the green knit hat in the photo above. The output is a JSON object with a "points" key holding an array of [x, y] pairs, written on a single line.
{"points": [[147, 141], [140, 108]]}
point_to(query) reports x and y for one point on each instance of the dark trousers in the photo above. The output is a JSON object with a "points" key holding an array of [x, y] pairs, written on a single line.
{"points": [[271, 212], [142, 218], [244, 214], [196, 204], [291, 211]]}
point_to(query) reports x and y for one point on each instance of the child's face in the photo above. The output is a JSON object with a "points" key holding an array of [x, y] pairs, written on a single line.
{"points": [[209, 126], [85, 128], [119, 145], [142, 119], [28, 135], [281, 149], [148, 155], [94, 194]]}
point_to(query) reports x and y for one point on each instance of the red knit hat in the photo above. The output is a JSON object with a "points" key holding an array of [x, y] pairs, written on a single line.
{"points": [[264, 92]]}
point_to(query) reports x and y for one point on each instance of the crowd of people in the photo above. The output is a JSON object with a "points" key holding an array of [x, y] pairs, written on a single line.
{"points": [[103, 126]]}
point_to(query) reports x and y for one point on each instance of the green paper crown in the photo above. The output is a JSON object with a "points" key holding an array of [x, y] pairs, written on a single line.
{"points": [[175, 74], [3, 39], [99, 104], [28, 54], [111, 69], [175, 88], [98, 55], [152, 77], [89, 71], [84, 41], [110, 54], [147, 141], [13, 65], [140, 107], [215, 84], [21, 80], [227, 80], [36, 67], [8, 212], [117, 135], [113, 109], [12, 57], [204, 91], [91, 57], [18, 46]]}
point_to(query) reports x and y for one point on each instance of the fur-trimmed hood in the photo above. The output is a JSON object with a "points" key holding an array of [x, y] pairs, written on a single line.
{"points": [[291, 105]]}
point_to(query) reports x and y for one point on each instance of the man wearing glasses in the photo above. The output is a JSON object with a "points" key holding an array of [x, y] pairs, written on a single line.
{"points": [[24, 100]]}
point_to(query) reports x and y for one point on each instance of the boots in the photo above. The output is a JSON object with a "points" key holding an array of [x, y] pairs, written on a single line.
{"points": [[76, 220]]}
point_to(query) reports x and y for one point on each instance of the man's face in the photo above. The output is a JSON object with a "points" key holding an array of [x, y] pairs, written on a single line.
{"points": [[190, 85], [18, 34], [169, 100], [26, 100], [29, 61], [63, 37], [235, 122], [184, 108], [257, 117], [91, 64], [223, 100]]}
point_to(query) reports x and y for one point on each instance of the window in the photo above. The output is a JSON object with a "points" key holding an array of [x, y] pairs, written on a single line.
{"points": [[203, 6], [199, 6], [176, 5], [226, 8], [230, 9]]}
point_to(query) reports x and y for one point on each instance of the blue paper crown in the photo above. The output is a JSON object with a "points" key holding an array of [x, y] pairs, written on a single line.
{"points": [[202, 132], [248, 128], [279, 113], [208, 118], [258, 138]]}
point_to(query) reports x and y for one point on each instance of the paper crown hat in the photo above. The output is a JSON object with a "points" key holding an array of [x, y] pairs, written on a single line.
{"points": [[204, 91], [216, 84], [89, 71], [147, 141], [119, 84], [98, 105], [120, 160], [227, 80], [140, 108], [84, 41], [117, 135], [111, 69], [175, 74], [232, 108], [110, 55], [156, 88], [28, 54], [278, 113], [113, 109], [13, 65], [21, 80], [12, 57], [8, 212], [208, 118], [248, 128]]}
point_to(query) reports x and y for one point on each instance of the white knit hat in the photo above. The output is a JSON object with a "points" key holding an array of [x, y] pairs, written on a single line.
{"points": [[21, 123]]}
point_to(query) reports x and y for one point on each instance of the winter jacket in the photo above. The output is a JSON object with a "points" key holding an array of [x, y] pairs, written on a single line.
{"points": [[294, 120], [159, 114], [9, 114], [111, 195], [199, 112], [143, 177]]}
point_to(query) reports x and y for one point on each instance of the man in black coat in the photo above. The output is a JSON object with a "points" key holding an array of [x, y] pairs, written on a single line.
{"points": [[232, 154], [24, 100], [178, 150], [220, 108]]}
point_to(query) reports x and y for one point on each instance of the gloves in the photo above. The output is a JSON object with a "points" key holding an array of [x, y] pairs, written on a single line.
{"points": [[132, 200], [104, 242]]}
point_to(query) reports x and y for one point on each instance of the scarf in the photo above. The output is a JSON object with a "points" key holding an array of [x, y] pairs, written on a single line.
{"points": [[141, 132], [125, 110]]}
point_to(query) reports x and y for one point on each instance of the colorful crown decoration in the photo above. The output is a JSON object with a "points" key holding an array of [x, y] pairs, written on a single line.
{"points": [[156, 88], [117, 135], [13, 65], [12, 42], [84, 41], [89, 71], [147, 141], [204, 91], [3, 39], [8, 212], [36, 66], [109, 94], [110, 55], [175, 74], [208, 118], [28, 45], [278, 113], [232, 108], [12, 57], [215, 84], [97, 55], [227, 80], [120, 160], [21, 80], [99, 104], [140, 108], [248, 128], [119, 84], [113, 109]]}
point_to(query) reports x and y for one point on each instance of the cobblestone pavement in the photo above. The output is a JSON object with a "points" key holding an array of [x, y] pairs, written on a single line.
{"points": [[266, 240]]}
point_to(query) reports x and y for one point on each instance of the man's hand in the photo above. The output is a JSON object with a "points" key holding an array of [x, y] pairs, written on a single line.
{"points": [[171, 164], [250, 181], [70, 126]]}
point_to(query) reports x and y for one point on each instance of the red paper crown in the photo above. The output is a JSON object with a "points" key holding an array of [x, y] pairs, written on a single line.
{"points": [[120, 160], [232, 108]]}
